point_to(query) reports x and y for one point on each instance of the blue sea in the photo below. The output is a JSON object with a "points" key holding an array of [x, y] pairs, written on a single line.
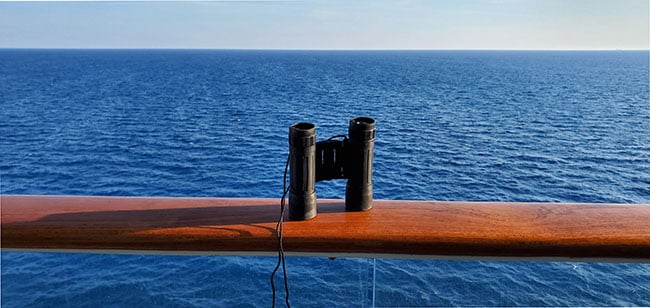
{"points": [[566, 126]]}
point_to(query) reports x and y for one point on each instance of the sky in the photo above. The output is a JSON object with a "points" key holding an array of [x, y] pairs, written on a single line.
{"points": [[314, 24]]}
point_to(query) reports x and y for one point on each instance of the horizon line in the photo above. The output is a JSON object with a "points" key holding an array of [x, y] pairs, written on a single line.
{"points": [[319, 49]]}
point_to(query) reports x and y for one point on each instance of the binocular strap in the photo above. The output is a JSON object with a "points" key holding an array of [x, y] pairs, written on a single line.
{"points": [[278, 233]]}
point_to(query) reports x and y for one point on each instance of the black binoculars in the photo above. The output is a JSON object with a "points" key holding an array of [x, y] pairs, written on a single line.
{"points": [[311, 162]]}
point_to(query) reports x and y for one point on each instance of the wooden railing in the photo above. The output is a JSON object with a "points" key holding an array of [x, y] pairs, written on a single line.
{"points": [[230, 226]]}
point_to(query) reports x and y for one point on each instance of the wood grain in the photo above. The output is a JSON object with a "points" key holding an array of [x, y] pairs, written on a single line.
{"points": [[403, 228]]}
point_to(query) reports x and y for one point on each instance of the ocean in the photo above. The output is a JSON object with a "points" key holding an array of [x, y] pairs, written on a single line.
{"points": [[542, 126]]}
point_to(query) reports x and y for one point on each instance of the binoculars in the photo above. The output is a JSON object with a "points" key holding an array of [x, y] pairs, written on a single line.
{"points": [[311, 162]]}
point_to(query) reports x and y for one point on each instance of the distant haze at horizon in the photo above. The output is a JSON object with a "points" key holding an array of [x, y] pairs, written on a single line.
{"points": [[331, 25]]}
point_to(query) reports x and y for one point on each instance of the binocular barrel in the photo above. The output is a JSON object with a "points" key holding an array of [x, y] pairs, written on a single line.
{"points": [[358, 169], [302, 177]]}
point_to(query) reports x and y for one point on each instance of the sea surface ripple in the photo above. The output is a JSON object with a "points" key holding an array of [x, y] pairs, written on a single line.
{"points": [[451, 125]]}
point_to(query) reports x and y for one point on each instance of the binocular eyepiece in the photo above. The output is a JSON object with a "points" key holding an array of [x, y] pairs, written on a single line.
{"points": [[311, 162]]}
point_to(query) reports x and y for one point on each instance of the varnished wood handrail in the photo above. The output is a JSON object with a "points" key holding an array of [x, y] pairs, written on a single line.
{"points": [[397, 228]]}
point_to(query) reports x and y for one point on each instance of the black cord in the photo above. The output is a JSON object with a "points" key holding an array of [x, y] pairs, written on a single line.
{"points": [[278, 232]]}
